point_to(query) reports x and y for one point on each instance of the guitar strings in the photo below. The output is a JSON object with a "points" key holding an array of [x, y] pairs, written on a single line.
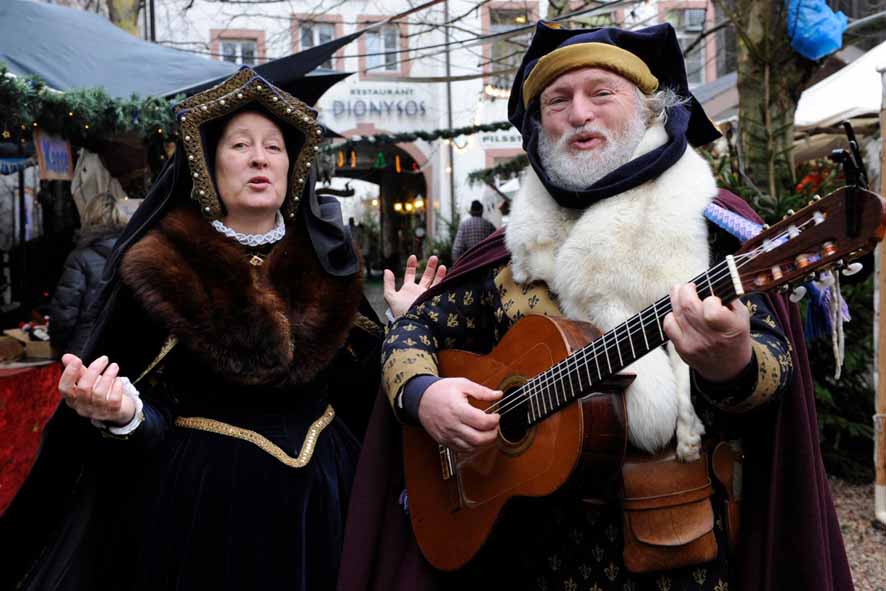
{"points": [[538, 383], [538, 386], [535, 389]]}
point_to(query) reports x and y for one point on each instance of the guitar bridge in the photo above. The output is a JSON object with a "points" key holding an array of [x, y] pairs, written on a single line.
{"points": [[447, 462]]}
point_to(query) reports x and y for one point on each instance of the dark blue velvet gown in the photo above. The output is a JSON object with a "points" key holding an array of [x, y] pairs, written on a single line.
{"points": [[227, 514], [174, 507]]}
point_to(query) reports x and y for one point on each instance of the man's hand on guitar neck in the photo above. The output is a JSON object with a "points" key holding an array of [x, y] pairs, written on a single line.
{"points": [[713, 339], [448, 416]]}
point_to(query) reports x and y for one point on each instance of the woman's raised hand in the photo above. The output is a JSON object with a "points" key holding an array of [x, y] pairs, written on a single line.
{"points": [[400, 300], [95, 392]]}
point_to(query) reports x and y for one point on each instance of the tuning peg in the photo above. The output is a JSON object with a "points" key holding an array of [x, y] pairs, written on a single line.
{"points": [[788, 214], [852, 269], [798, 294], [816, 197]]}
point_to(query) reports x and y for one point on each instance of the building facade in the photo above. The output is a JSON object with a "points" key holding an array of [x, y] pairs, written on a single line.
{"points": [[415, 74]]}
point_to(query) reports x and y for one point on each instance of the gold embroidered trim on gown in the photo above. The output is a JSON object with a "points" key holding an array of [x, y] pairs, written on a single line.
{"points": [[361, 321], [168, 345], [220, 428]]}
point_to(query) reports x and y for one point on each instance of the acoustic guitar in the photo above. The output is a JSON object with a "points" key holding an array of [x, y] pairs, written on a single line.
{"points": [[563, 406]]}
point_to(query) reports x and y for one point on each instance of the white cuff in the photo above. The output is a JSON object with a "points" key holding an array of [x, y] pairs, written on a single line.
{"points": [[137, 418]]}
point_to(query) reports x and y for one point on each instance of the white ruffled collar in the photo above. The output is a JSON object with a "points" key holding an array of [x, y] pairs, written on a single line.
{"points": [[269, 237]]}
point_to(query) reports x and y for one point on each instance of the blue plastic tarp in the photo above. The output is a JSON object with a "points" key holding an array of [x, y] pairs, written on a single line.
{"points": [[815, 30]]}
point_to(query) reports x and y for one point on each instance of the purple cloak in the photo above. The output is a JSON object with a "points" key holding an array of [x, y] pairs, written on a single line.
{"points": [[790, 535]]}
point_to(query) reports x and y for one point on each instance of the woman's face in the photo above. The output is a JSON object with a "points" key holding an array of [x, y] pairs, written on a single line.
{"points": [[251, 168]]}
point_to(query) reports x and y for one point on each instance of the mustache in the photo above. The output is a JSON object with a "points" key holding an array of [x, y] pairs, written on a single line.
{"points": [[587, 128]]}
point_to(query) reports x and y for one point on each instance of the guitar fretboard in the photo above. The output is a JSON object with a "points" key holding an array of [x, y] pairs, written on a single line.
{"points": [[580, 372]]}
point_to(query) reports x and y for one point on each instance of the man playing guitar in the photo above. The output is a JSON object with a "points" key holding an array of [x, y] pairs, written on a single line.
{"points": [[613, 214]]}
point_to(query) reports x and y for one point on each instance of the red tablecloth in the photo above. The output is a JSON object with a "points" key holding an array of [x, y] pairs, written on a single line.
{"points": [[28, 398]]}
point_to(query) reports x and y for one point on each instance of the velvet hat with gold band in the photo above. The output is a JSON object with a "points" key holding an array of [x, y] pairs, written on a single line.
{"points": [[651, 58]]}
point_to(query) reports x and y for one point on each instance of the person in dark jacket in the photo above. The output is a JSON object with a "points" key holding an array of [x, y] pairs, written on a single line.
{"points": [[471, 231], [70, 321]]}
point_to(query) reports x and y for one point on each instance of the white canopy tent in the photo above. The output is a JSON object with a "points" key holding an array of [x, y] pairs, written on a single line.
{"points": [[852, 92]]}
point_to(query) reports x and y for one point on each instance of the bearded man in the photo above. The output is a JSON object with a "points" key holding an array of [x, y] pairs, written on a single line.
{"points": [[611, 217]]}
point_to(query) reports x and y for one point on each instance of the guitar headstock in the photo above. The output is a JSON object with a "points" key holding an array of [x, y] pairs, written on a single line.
{"points": [[819, 237]]}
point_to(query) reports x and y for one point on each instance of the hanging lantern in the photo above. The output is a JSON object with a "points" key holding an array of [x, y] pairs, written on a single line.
{"points": [[397, 163], [380, 161], [353, 159], [341, 159]]}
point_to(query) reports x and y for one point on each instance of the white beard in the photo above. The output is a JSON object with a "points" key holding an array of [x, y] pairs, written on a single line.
{"points": [[578, 171], [612, 260]]}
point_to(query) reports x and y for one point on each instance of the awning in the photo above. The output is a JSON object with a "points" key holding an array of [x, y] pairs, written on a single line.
{"points": [[853, 91], [13, 165], [74, 49]]}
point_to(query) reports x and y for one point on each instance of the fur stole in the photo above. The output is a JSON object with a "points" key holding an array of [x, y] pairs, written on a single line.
{"points": [[610, 261], [281, 322]]}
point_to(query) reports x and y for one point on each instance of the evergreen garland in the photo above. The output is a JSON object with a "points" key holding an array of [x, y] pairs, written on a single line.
{"points": [[502, 172], [83, 117], [411, 136]]}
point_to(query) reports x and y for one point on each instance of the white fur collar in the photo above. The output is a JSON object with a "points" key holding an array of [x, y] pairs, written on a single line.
{"points": [[613, 259]]}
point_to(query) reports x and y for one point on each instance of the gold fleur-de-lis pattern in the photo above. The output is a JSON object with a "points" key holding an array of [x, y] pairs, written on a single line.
{"points": [[458, 318], [472, 315], [403, 364], [543, 552], [519, 300], [569, 544]]}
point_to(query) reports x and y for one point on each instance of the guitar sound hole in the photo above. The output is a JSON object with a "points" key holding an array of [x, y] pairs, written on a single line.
{"points": [[513, 427]]}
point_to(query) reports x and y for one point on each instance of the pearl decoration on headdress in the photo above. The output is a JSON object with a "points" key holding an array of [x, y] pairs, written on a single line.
{"points": [[217, 101]]}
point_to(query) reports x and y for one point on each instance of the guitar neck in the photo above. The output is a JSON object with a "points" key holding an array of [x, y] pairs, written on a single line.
{"points": [[610, 353]]}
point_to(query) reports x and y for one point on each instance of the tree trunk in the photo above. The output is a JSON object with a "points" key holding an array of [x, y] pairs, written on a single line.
{"points": [[124, 14], [771, 77]]}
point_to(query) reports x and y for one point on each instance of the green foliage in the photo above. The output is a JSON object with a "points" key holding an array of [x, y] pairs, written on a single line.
{"points": [[844, 407], [84, 117], [442, 244], [500, 172], [411, 136], [370, 241]]}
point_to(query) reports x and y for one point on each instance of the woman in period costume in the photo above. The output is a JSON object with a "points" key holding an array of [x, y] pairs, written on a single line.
{"points": [[233, 307]]}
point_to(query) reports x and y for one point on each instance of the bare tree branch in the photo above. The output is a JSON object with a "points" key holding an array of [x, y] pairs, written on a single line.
{"points": [[722, 24]]}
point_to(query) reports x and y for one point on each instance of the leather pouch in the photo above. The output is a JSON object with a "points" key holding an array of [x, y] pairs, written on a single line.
{"points": [[668, 516]]}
